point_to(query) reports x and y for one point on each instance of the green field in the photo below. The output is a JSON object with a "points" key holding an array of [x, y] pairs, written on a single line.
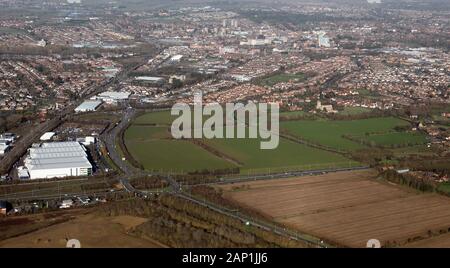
{"points": [[288, 156], [146, 133], [163, 118], [330, 133], [354, 110], [396, 138], [153, 147], [155, 150], [284, 116], [174, 156], [422, 150], [279, 78]]}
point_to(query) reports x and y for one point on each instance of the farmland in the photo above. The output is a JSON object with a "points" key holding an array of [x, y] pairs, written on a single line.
{"points": [[175, 156], [162, 118], [152, 147], [392, 139], [347, 208], [331, 133], [288, 156], [148, 140], [354, 110]]}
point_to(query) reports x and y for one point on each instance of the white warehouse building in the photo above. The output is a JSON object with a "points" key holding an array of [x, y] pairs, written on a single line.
{"points": [[58, 160], [88, 106]]}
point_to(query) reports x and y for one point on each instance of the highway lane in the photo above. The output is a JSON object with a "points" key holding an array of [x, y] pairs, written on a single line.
{"points": [[283, 175], [129, 171]]}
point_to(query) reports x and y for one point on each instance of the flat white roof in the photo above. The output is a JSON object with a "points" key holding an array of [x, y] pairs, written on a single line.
{"points": [[48, 166], [52, 154], [149, 78], [47, 136], [60, 144], [177, 57], [56, 155], [115, 95], [88, 105]]}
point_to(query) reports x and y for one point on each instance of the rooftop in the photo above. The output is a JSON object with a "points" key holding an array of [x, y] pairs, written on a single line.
{"points": [[57, 155], [89, 105], [115, 95]]}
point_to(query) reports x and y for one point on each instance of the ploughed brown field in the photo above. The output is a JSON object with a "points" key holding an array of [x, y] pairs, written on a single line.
{"points": [[349, 208]]}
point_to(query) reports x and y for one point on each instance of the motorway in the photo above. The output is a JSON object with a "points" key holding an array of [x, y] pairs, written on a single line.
{"points": [[283, 175]]}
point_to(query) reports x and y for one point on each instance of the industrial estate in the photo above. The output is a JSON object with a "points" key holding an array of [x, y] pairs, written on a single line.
{"points": [[87, 150]]}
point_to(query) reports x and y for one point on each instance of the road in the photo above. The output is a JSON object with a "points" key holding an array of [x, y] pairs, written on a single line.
{"points": [[283, 175], [111, 143]]}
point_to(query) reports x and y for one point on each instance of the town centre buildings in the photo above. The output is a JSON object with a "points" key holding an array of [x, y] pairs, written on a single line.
{"points": [[57, 160]]}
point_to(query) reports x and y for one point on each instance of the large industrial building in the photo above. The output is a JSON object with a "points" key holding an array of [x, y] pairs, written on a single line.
{"points": [[113, 96], [88, 106], [57, 160]]}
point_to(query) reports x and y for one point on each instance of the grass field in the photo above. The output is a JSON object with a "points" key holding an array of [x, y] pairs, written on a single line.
{"points": [[414, 150], [279, 78], [330, 133], [288, 156], [146, 133], [294, 113], [395, 138], [153, 147], [174, 156], [347, 208], [160, 118], [354, 110]]}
